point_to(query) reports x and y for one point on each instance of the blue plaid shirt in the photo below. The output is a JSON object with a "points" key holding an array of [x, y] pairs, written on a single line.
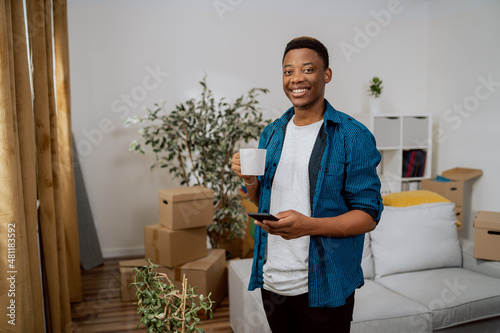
{"points": [[342, 177]]}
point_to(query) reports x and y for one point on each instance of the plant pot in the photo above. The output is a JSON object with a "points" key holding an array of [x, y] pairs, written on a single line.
{"points": [[374, 105]]}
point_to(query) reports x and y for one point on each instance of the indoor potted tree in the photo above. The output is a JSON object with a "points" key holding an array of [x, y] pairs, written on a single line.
{"points": [[375, 90], [195, 142]]}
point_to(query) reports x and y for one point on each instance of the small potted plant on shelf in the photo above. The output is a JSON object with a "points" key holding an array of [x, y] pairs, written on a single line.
{"points": [[375, 90], [165, 308], [195, 143]]}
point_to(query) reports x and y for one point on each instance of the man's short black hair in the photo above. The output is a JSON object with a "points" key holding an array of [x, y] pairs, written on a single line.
{"points": [[308, 43]]}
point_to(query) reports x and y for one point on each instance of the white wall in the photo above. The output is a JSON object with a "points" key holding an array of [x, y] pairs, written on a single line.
{"points": [[464, 52], [115, 45]]}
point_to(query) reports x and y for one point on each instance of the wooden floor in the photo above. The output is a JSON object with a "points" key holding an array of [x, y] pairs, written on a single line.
{"points": [[102, 309]]}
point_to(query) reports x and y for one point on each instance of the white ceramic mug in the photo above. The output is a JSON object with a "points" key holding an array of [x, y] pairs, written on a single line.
{"points": [[253, 162]]}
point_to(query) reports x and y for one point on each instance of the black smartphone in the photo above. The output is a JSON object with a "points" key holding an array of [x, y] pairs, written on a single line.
{"points": [[263, 216]]}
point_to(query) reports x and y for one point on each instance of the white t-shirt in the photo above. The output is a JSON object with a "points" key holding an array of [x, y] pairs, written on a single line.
{"points": [[286, 267]]}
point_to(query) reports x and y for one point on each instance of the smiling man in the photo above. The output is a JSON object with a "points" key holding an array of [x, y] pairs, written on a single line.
{"points": [[321, 182]]}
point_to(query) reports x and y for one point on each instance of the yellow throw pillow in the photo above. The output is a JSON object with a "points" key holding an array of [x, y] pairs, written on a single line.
{"points": [[412, 198]]}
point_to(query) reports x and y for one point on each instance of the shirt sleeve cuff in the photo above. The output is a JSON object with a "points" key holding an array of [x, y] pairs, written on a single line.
{"points": [[372, 213]]}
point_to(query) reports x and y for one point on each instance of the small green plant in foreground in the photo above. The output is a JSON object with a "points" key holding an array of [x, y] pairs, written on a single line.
{"points": [[165, 308]]}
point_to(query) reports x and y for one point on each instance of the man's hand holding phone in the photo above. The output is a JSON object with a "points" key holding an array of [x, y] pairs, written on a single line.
{"points": [[263, 216], [289, 224]]}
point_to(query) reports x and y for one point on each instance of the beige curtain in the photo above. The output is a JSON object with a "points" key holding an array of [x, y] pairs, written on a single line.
{"points": [[36, 163], [65, 146]]}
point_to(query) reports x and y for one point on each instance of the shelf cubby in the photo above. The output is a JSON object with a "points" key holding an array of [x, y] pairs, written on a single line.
{"points": [[399, 135]]}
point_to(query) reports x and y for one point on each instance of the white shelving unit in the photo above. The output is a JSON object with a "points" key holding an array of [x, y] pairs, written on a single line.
{"points": [[398, 135]]}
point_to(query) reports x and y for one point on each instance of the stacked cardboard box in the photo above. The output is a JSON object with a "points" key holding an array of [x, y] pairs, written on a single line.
{"points": [[186, 207], [178, 244], [174, 247], [487, 235], [248, 242], [451, 186], [181, 235]]}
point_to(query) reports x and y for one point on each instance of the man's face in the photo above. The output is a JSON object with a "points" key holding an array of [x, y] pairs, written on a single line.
{"points": [[304, 78]]}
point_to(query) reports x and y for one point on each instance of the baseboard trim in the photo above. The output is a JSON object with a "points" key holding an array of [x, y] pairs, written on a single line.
{"points": [[123, 252]]}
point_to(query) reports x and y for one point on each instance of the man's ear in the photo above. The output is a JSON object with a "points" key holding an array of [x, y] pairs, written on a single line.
{"points": [[328, 75]]}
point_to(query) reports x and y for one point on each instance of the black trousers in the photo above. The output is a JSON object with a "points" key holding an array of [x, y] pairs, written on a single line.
{"points": [[289, 314]]}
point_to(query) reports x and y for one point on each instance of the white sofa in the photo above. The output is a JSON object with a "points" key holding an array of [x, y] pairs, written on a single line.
{"points": [[419, 277]]}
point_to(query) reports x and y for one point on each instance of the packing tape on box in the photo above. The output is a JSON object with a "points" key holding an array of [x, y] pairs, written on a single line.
{"points": [[154, 244], [155, 238]]}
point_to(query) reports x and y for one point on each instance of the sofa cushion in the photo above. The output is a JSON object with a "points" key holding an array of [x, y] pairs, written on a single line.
{"points": [[367, 260], [380, 310], [415, 238], [454, 295], [246, 314]]}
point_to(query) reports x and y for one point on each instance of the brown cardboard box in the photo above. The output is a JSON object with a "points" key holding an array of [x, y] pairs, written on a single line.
{"points": [[127, 276], [186, 207], [209, 274], [459, 212], [248, 241], [487, 235], [174, 247], [462, 174], [454, 189]]}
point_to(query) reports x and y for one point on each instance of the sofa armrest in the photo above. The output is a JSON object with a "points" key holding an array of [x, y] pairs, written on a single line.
{"points": [[486, 267]]}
